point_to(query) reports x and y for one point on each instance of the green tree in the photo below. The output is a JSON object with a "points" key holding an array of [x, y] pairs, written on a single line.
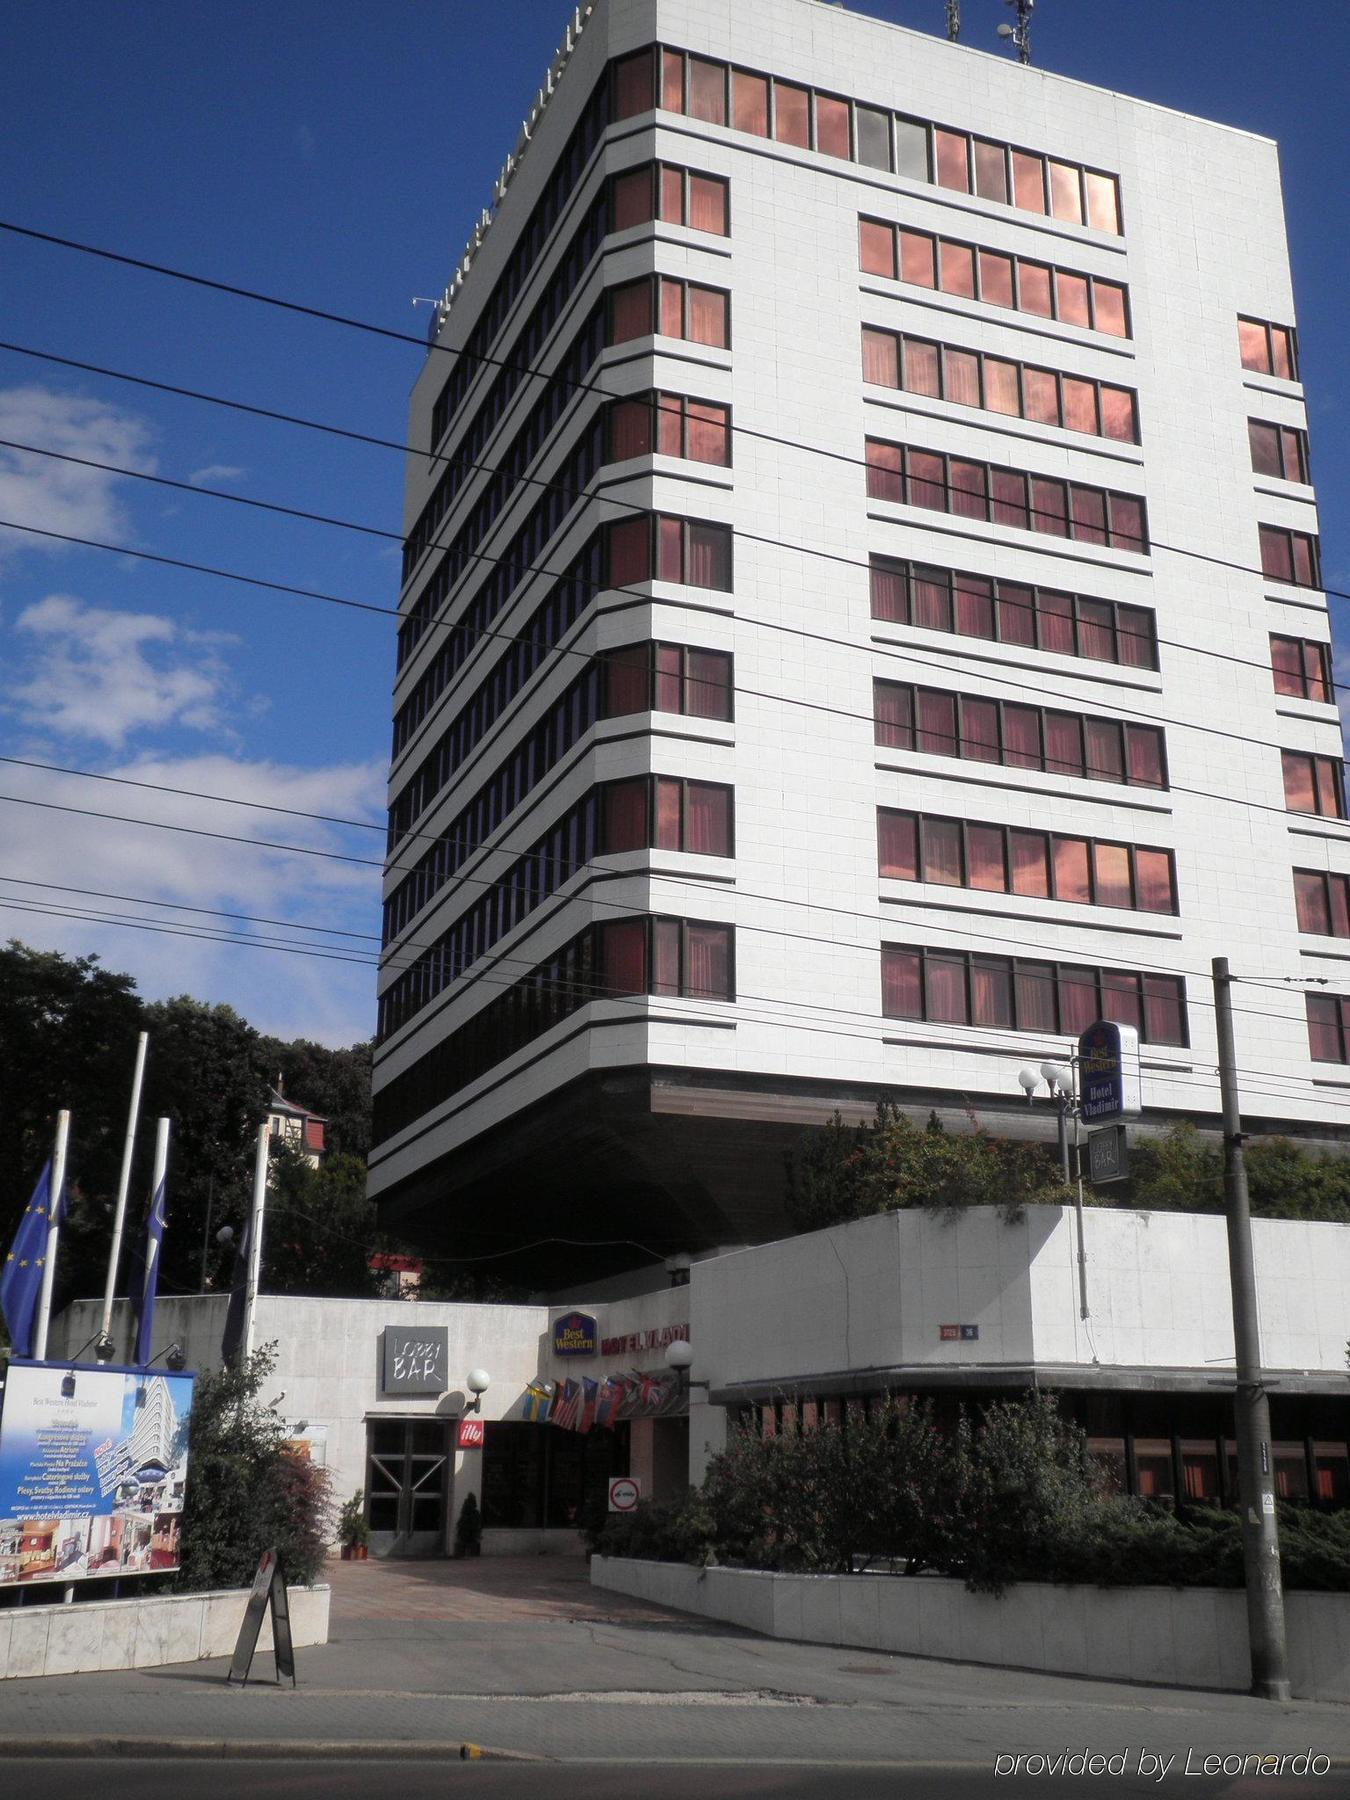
{"points": [[841, 1172], [246, 1490], [1181, 1170], [320, 1228], [334, 1083]]}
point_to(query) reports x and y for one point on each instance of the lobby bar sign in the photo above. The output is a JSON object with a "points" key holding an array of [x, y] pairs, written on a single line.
{"points": [[91, 1480]]}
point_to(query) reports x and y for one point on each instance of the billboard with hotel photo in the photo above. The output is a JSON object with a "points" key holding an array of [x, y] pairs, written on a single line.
{"points": [[93, 1471]]}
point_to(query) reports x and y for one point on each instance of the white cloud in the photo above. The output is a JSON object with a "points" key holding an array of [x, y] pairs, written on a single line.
{"points": [[99, 674], [58, 496], [292, 995], [214, 472]]}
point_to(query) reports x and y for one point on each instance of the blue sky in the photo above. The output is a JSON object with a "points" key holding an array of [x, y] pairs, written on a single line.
{"points": [[337, 153]]}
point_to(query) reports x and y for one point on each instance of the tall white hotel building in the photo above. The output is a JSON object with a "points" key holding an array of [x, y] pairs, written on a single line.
{"points": [[861, 624]]}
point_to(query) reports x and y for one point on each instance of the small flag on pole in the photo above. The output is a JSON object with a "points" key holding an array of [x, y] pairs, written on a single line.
{"points": [[538, 1400], [589, 1392], [21, 1280], [609, 1400], [566, 1405], [145, 1279]]}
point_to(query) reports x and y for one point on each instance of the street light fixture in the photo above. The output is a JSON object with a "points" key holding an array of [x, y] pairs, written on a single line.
{"points": [[478, 1381], [680, 1358]]}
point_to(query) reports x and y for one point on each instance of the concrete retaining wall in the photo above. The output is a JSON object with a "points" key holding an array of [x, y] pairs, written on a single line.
{"points": [[1173, 1637], [141, 1634]]}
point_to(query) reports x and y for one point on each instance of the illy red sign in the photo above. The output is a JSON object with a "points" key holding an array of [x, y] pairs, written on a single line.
{"points": [[471, 1434]]}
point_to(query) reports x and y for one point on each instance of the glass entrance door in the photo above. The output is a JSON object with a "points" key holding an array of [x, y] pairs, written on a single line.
{"points": [[407, 1485]]}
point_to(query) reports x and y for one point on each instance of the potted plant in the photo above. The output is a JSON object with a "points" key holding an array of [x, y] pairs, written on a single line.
{"points": [[353, 1531], [469, 1530]]}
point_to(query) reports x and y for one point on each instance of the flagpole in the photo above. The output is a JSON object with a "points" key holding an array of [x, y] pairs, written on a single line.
{"points": [[124, 1183], [53, 1232], [155, 1183], [255, 1237]]}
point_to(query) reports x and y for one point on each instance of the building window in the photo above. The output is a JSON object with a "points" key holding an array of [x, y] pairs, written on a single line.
{"points": [[1292, 556], [1279, 450], [1301, 667], [979, 729], [1268, 349], [993, 277], [659, 305], [963, 987], [1323, 902], [1313, 784], [678, 957], [976, 490], [1008, 859], [970, 378], [675, 195], [764, 106], [1328, 1027], [664, 812], [673, 678], [632, 84], [671, 424], [954, 600], [693, 552]]}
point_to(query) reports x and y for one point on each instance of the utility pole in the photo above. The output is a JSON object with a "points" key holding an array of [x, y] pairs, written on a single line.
{"points": [[1260, 1531]]}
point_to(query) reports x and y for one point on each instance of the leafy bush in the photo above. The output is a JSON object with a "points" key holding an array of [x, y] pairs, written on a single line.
{"points": [[842, 1172], [1010, 1494], [247, 1491]]}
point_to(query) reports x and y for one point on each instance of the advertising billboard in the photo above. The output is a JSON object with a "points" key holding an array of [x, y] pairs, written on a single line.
{"points": [[93, 1469]]}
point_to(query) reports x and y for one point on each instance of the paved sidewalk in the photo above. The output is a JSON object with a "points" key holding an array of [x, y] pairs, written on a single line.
{"points": [[525, 1656]]}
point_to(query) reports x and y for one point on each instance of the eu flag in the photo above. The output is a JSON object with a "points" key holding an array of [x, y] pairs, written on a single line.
{"points": [[21, 1282], [146, 1284]]}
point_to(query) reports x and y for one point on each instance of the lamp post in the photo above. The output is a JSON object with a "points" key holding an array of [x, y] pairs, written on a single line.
{"points": [[1060, 1079]]}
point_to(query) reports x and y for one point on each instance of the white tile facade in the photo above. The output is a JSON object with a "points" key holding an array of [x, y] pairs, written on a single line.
{"points": [[1203, 242]]}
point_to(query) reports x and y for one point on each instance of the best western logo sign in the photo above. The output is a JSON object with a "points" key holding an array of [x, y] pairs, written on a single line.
{"points": [[575, 1334]]}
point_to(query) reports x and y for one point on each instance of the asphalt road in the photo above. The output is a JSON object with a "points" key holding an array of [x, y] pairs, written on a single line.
{"points": [[171, 1779]]}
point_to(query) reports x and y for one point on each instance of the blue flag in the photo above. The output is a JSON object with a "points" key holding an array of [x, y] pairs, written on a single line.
{"points": [[21, 1282], [145, 1281]]}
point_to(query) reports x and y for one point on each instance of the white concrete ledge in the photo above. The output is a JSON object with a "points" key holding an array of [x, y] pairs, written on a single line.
{"points": [[141, 1634], [1170, 1637]]}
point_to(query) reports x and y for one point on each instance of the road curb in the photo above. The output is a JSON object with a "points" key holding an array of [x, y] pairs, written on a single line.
{"points": [[260, 1749]]}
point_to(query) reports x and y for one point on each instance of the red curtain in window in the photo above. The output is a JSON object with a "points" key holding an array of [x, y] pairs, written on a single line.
{"points": [[1080, 405], [1144, 746], [996, 278], [933, 599], [961, 377], [633, 85], [1108, 307], [1128, 531], [883, 472], [901, 994], [625, 819], [633, 198], [1030, 865], [1063, 743], [1153, 881], [669, 686], [630, 552], [1016, 612], [1002, 394], [1095, 636], [991, 1001], [923, 374], [708, 316], [1089, 515], [1021, 737], [1324, 1034], [887, 587], [672, 196], [991, 171], [832, 135], [897, 845], [894, 715], [627, 680], [969, 494], [665, 956], [670, 550], [709, 556], [671, 321], [1111, 869], [630, 427], [708, 433], [1105, 750], [708, 684], [750, 103], [1028, 181], [708, 962], [918, 258], [668, 834], [937, 723], [974, 606], [1164, 1013], [880, 355], [791, 115], [876, 248], [945, 985], [1071, 870], [707, 820], [1103, 200], [927, 479], [1035, 988], [979, 731], [630, 311], [1077, 999], [708, 204], [1134, 636], [985, 855], [1120, 998], [1049, 507], [707, 91], [623, 957], [942, 852]]}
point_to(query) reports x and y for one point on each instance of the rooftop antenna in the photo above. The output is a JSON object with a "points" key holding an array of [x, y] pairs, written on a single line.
{"points": [[953, 21], [1019, 34]]}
